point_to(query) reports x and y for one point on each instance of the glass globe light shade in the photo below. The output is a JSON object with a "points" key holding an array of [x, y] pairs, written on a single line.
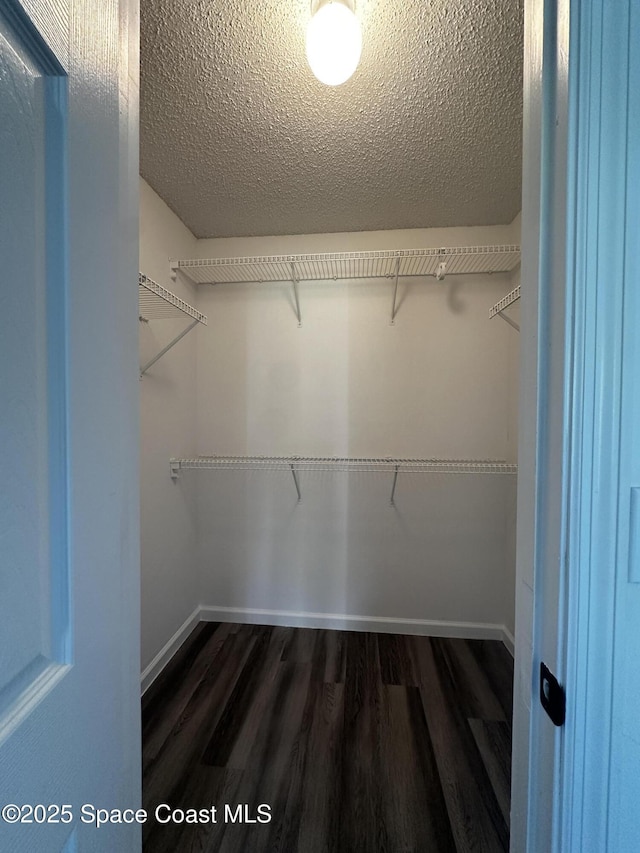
{"points": [[334, 43]]}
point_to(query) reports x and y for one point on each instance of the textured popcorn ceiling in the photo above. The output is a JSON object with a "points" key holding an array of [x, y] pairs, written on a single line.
{"points": [[240, 139]]}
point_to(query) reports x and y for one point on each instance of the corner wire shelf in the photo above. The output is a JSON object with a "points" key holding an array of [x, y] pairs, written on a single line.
{"points": [[391, 465], [461, 260], [157, 303], [499, 307]]}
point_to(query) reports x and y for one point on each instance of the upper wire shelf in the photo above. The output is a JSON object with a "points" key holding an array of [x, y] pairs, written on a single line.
{"points": [[157, 303], [391, 465], [351, 265], [505, 302], [343, 463], [499, 307], [459, 260]]}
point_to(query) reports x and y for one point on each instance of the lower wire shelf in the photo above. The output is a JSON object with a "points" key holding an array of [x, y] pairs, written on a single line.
{"points": [[392, 465]]}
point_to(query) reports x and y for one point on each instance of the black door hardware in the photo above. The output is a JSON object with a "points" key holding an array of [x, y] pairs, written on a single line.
{"points": [[552, 695]]}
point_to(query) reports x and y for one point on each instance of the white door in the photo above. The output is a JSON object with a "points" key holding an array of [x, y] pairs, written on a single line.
{"points": [[581, 513], [599, 755], [69, 674]]}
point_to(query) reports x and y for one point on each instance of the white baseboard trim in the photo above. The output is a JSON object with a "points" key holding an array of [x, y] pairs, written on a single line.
{"points": [[334, 621], [346, 622], [153, 670], [508, 640]]}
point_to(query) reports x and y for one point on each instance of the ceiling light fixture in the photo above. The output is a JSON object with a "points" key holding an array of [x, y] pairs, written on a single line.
{"points": [[334, 42]]}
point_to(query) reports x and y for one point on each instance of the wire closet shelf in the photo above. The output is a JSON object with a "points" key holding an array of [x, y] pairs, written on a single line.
{"points": [[351, 265], [295, 464], [509, 299], [343, 463], [155, 302], [498, 309]]}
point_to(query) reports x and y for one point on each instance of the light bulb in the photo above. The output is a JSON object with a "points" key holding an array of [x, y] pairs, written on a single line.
{"points": [[334, 43]]}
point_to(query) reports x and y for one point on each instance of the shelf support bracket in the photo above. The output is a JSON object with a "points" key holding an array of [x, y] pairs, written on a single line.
{"points": [[509, 321], [174, 467], [168, 347], [294, 281], [393, 487], [394, 309], [295, 481]]}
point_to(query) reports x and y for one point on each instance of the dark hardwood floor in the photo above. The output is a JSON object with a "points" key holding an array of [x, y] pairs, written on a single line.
{"points": [[359, 743]]}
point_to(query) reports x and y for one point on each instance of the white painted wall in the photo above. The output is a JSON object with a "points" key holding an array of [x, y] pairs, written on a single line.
{"points": [[168, 428], [439, 383]]}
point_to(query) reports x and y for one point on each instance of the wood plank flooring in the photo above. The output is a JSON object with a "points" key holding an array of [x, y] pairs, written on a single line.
{"points": [[359, 743]]}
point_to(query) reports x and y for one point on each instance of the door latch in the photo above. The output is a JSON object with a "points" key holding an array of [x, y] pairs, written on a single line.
{"points": [[552, 696]]}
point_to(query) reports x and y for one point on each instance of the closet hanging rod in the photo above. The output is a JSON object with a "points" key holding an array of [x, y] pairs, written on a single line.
{"points": [[458, 260]]}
